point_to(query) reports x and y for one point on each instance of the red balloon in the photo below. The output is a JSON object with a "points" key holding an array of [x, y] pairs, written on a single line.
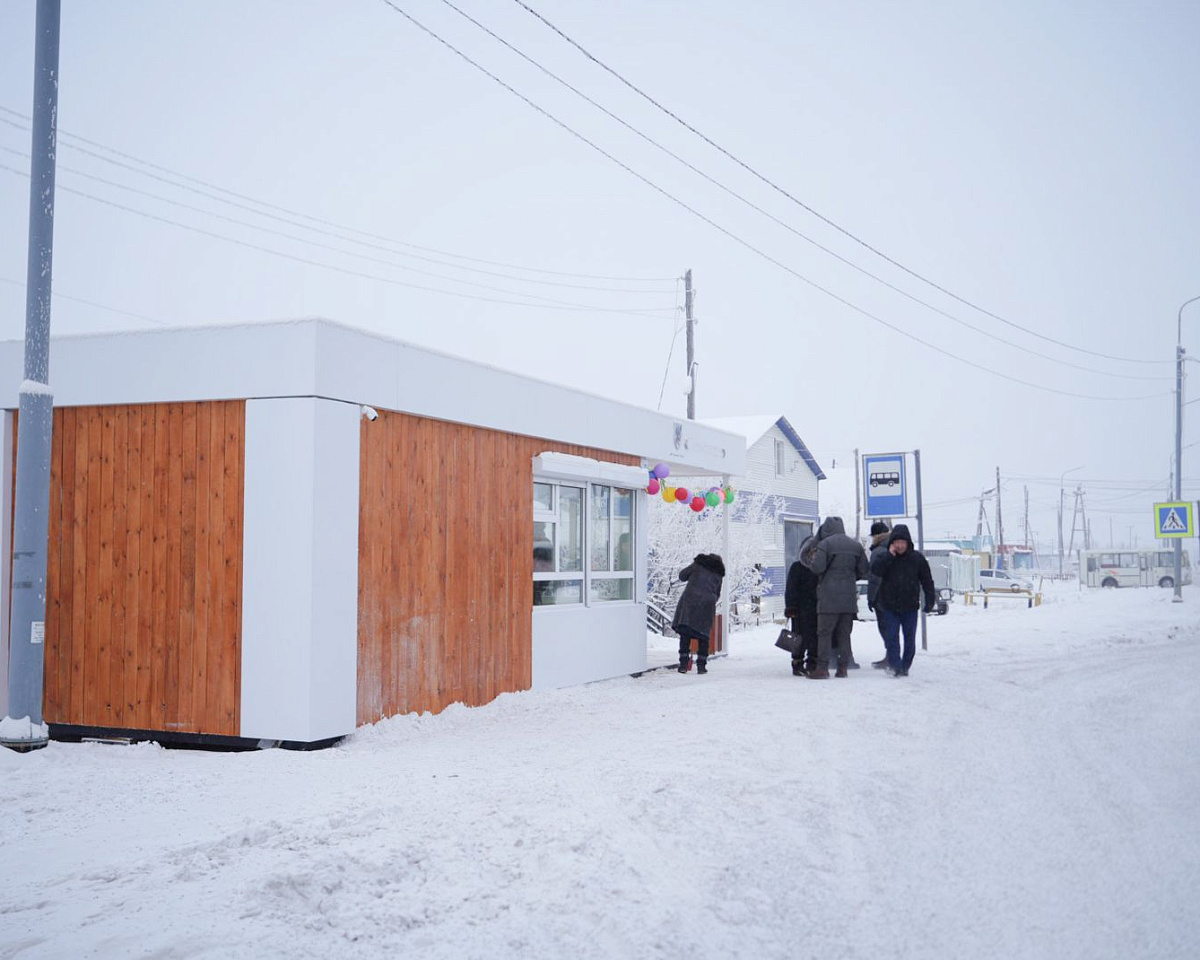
{"points": [[652, 486], [682, 495], [698, 503]]}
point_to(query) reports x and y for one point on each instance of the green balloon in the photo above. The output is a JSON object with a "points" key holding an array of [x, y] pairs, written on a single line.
{"points": [[729, 494], [712, 498]]}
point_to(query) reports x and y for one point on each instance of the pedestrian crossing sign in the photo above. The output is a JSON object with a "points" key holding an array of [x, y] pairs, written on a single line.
{"points": [[1173, 521]]}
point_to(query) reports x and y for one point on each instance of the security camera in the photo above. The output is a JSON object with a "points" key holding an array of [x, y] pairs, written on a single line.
{"points": [[370, 412]]}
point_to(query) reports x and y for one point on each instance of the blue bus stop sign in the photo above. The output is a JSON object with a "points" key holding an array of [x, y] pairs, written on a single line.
{"points": [[885, 485]]}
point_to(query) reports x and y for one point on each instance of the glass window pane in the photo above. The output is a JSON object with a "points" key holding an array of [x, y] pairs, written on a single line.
{"points": [[622, 509], [570, 529], [552, 592], [543, 546], [602, 589], [599, 523], [543, 497]]}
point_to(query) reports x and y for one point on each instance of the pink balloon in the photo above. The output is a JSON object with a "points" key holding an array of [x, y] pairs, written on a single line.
{"points": [[652, 487]]}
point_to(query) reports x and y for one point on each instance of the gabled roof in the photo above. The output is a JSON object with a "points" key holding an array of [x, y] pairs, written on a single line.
{"points": [[754, 428]]}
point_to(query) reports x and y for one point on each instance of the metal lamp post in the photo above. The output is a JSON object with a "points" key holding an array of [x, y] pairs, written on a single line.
{"points": [[1179, 355]]}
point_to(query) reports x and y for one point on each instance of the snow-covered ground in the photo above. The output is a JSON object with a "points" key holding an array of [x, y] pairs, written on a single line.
{"points": [[1031, 790]]}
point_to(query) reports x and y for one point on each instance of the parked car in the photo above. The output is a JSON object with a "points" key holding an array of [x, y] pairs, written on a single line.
{"points": [[1003, 580]]}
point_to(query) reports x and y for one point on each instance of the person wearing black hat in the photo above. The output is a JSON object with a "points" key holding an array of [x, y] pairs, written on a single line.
{"points": [[903, 574], [880, 532]]}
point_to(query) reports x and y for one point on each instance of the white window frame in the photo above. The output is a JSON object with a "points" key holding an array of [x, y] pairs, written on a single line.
{"points": [[780, 456], [552, 516], [560, 470]]}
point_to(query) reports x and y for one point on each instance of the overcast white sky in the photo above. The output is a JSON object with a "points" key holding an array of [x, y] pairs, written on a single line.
{"points": [[1037, 159]]}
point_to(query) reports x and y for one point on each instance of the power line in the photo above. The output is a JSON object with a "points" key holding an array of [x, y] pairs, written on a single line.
{"points": [[737, 239], [816, 213], [647, 312], [327, 266], [782, 223], [67, 136], [91, 303]]}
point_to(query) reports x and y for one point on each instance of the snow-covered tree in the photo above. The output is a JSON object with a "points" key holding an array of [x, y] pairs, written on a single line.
{"points": [[677, 534]]}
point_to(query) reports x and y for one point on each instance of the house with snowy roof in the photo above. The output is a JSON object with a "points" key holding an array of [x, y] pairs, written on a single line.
{"points": [[781, 469]]}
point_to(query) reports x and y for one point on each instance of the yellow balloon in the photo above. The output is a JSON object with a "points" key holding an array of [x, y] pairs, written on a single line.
{"points": [[668, 493]]}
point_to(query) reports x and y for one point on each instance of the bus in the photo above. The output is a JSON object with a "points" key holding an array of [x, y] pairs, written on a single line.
{"points": [[1131, 568]]}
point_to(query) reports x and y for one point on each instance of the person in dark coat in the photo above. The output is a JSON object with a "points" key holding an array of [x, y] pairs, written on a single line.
{"points": [[880, 532], [800, 603], [840, 562], [697, 608], [903, 574]]}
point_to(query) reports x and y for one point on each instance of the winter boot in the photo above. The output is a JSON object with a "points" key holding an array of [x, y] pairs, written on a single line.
{"points": [[685, 663], [701, 666], [841, 671], [880, 664], [818, 673], [798, 669]]}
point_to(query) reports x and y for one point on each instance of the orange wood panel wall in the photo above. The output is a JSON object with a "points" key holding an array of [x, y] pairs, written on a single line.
{"points": [[144, 568], [445, 563]]}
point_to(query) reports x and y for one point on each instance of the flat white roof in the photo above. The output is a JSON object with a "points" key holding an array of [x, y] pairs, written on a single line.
{"points": [[321, 358]]}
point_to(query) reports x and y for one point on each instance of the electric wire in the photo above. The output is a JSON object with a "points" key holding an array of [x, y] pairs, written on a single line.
{"points": [[745, 243], [647, 312], [91, 303], [816, 213], [64, 135], [327, 266], [784, 224]]}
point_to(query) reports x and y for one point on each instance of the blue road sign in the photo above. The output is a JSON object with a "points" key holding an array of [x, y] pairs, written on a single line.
{"points": [[884, 485], [1173, 521]]}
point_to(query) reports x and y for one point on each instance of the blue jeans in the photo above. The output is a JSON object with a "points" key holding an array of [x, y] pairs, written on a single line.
{"points": [[892, 624]]}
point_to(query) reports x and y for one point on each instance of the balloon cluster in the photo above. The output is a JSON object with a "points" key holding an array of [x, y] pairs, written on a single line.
{"points": [[711, 497]]}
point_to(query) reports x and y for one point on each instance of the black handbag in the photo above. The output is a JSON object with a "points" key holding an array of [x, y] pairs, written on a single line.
{"points": [[788, 641]]}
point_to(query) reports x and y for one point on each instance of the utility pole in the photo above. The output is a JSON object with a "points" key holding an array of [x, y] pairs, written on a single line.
{"points": [[857, 496], [1026, 523], [1060, 543], [1177, 469], [691, 344], [920, 538], [999, 526], [35, 408], [1075, 517]]}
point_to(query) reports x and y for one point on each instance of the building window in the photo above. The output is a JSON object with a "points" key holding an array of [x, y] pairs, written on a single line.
{"points": [[779, 455], [563, 571]]}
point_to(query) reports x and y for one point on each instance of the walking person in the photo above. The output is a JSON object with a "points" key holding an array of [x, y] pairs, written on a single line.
{"points": [[697, 608], [800, 603], [903, 574], [840, 562], [880, 532]]}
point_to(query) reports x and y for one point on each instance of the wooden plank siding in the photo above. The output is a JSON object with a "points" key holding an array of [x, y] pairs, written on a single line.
{"points": [[445, 562], [144, 567]]}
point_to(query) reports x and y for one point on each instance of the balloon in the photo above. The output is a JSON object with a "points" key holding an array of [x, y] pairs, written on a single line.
{"points": [[712, 498], [681, 494], [661, 471], [668, 493], [698, 503], [652, 486], [729, 494]]}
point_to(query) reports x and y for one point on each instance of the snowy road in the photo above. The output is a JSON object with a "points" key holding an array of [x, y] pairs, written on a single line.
{"points": [[1030, 791]]}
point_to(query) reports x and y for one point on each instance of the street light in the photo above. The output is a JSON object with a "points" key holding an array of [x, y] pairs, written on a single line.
{"points": [[1179, 354], [1062, 478]]}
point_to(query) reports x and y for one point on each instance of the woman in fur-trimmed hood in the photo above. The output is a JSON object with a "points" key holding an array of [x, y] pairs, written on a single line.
{"points": [[697, 608]]}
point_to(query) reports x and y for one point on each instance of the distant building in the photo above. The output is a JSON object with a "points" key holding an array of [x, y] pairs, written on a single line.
{"points": [[778, 466]]}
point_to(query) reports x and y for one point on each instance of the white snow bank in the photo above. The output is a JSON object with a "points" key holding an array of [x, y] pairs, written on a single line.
{"points": [[1029, 792], [22, 728]]}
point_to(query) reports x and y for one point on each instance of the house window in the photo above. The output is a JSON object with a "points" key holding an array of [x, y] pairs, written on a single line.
{"points": [[779, 455], [564, 572]]}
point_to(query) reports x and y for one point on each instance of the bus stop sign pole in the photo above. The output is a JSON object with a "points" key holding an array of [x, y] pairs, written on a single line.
{"points": [[920, 538]]}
